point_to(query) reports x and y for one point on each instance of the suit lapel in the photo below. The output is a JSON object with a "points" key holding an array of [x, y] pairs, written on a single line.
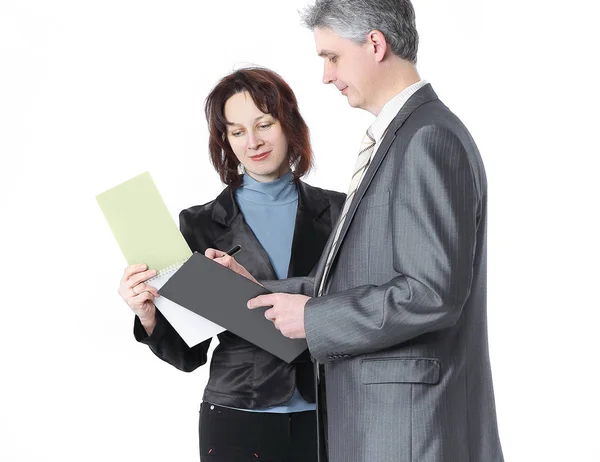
{"points": [[421, 97]]}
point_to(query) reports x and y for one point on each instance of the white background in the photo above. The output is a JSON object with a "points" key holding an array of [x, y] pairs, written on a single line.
{"points": [[93, 93]]}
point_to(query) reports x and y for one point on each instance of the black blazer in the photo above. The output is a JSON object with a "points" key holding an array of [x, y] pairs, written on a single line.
{"points": [[241, 374]]}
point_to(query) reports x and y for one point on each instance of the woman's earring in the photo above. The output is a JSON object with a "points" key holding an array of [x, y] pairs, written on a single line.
{"points": [[241, 169]]}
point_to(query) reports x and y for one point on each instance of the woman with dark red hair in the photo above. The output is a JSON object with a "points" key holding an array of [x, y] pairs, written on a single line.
{"points": [[255, 406]]}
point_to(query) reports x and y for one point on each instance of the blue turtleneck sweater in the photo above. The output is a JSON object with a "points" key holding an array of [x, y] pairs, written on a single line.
{"points": [[270, 211]]}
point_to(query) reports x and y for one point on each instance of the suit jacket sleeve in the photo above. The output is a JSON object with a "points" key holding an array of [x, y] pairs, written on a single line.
{"points": [[298, 285], [165, 342], [434, 215]]}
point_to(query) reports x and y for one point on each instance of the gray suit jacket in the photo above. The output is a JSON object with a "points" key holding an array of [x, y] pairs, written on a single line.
{"points": [[401, 328]]}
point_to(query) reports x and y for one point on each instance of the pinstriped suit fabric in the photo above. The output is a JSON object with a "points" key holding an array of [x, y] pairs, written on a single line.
{"points": [[362, 163], [401, 326]]}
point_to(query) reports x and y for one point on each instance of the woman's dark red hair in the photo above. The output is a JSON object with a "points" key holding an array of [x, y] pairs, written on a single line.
{"points": [[272, 95]]}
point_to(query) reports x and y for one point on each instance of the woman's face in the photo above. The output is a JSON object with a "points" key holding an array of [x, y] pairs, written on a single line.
{"points": [[256, 138]]}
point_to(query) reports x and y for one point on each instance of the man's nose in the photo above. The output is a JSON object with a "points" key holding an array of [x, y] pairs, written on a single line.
{"points": [[328, 75]]}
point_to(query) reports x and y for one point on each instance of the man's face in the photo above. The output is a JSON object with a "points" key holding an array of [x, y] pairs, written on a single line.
{"points": [[347, 65]]}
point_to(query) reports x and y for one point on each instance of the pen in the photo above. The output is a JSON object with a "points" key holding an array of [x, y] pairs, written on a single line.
{"points": [[234, 250]]}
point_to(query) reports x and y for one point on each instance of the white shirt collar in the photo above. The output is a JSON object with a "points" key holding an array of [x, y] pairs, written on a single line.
{"points": [[391, 109]]}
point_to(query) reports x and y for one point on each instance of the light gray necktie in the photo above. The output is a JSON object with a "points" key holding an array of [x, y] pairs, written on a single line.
{"points": [[362, 163]]}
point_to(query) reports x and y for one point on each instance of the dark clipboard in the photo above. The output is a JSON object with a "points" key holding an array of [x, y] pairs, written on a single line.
{"points": [[220, 295]]}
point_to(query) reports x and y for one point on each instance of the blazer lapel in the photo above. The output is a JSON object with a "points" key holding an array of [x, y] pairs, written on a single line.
{"points": [[311, 231], [253, 257], [421, 97]]}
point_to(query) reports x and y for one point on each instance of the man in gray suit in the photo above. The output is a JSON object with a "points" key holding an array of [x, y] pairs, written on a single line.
{"points": [[395, 316]]}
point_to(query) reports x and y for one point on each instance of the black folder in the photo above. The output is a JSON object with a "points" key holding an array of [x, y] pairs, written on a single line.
{"points": [[220, 295]]}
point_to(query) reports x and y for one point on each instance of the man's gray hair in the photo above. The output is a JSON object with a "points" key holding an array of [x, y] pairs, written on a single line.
{"points": [[354, 19]]}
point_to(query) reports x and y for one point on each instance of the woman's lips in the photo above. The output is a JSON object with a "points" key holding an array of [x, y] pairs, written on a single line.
{"points": [[262, 156]]}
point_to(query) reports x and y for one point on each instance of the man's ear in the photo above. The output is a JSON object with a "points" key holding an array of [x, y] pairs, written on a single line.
{"points": [[378, 44]]}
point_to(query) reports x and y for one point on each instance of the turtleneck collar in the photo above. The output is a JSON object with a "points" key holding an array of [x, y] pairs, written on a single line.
{"points": [[280, 191]]}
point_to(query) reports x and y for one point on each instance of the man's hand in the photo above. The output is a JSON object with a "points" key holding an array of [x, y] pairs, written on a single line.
{"points": [[287, 312], [229, 262]]}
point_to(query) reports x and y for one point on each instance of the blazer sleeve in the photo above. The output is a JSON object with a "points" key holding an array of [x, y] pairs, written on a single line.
{"points": [[165, 342], [433, 213]]}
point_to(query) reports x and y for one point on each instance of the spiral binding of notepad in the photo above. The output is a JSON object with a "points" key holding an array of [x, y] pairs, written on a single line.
{"points": [[168, 270]]}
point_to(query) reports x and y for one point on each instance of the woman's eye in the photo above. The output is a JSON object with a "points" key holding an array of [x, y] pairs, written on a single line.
{"points": [[265, 126], [236, 133]]}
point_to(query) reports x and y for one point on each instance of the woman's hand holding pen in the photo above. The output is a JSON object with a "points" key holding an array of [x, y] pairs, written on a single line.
{"points": [[287, 310], [226, 259], [139, 295]]}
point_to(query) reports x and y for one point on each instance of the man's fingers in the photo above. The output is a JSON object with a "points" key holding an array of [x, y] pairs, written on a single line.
{"points": [[262, 300], [270, 314]]}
